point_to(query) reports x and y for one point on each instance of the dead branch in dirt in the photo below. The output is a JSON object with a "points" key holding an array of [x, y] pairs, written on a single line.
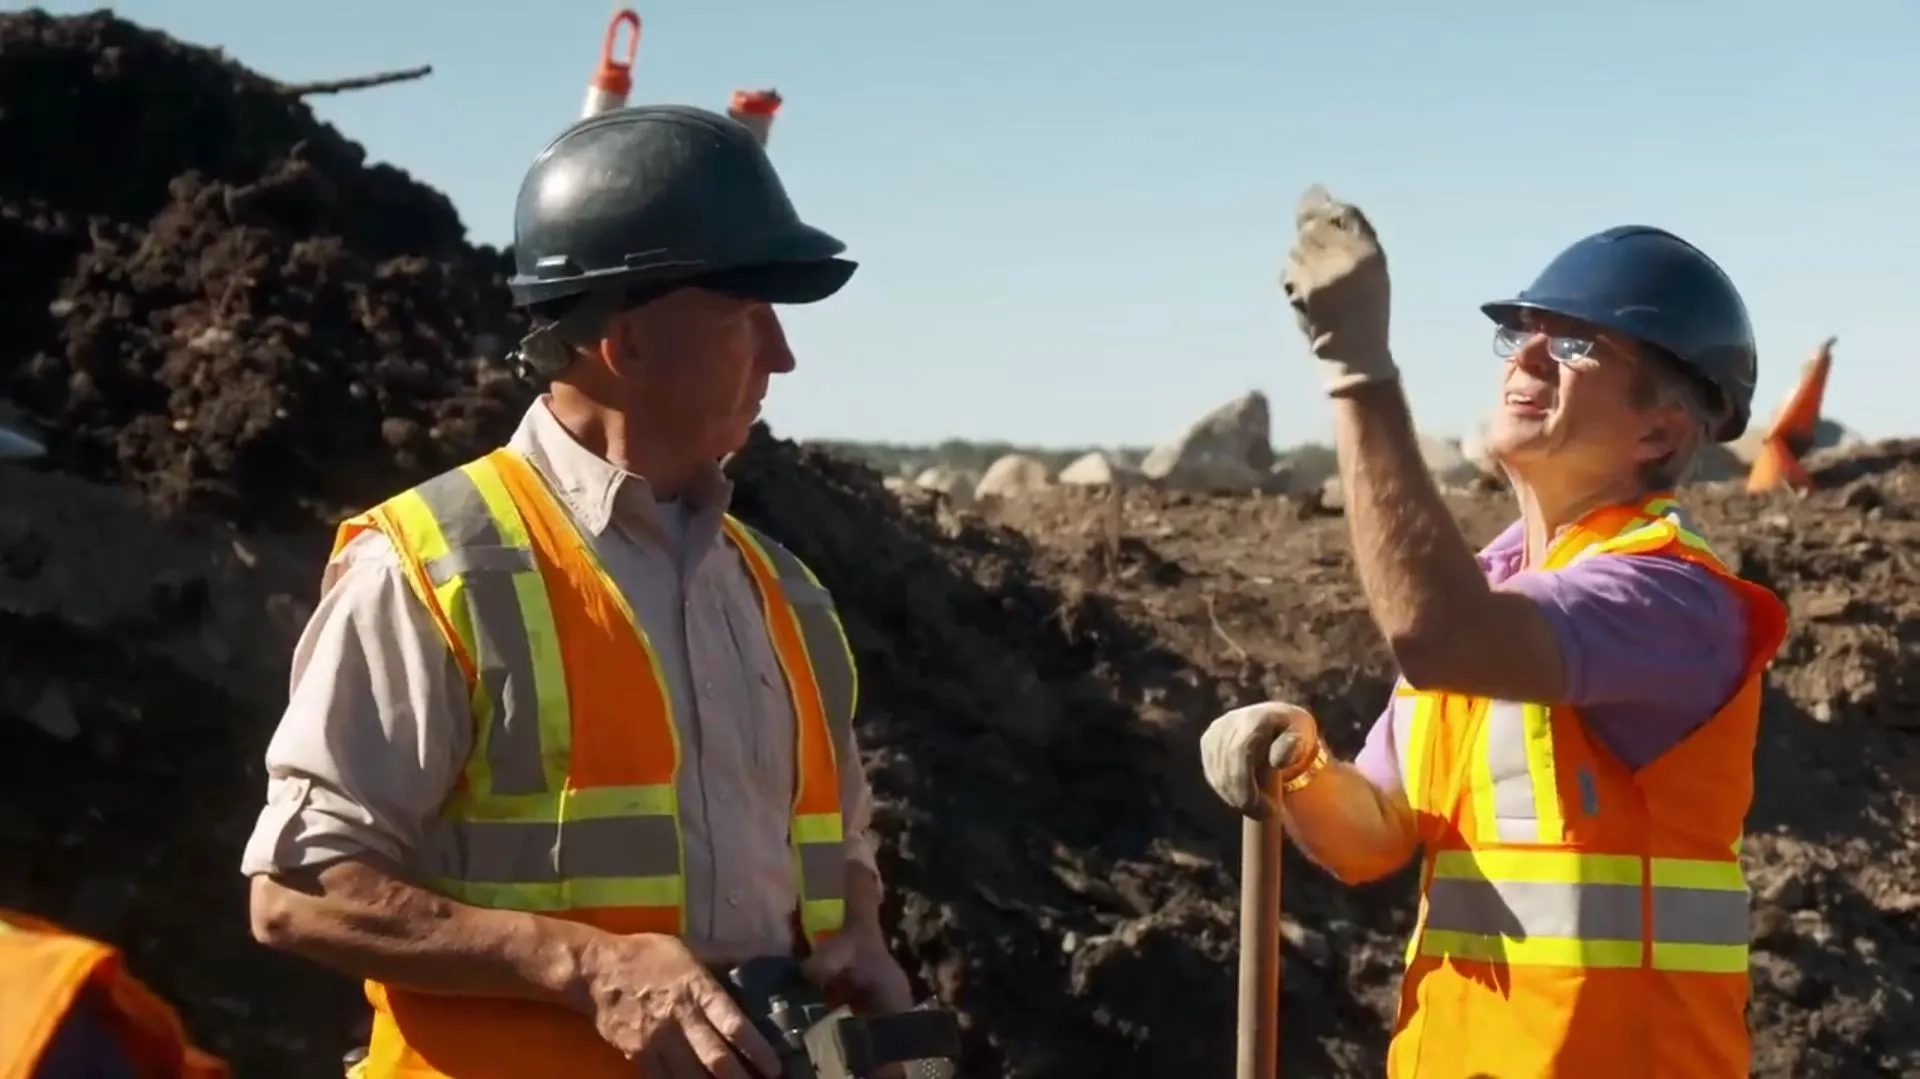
{"points": [[1214, 620], [359, 82]]}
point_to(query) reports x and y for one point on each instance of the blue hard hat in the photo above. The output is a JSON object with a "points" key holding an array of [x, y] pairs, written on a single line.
{"points": [[1650, 285]]}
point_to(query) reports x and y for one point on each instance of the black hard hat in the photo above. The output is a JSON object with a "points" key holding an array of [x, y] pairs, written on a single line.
{"points": [[640, 199], [1650, 285]]}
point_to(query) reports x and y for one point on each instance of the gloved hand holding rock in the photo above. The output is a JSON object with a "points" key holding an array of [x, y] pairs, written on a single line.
{"points": [[1243, 746], [1336, 279]]}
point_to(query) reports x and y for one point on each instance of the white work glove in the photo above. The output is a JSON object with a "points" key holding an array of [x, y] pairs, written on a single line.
{"points": [[1336, 279], [1240, 749]]}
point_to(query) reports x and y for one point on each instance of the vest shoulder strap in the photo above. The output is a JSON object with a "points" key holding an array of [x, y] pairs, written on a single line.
{"points": [[826, 636]]}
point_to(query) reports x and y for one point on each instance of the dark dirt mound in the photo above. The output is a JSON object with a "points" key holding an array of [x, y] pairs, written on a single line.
{"points": [[234, 314], [212, 296]]}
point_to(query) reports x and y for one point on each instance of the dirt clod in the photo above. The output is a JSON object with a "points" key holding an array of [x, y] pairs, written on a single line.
{"points": [[233, 319]]}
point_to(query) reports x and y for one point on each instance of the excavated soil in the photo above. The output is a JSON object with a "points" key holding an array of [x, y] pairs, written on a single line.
{"points": [[231, 329]]}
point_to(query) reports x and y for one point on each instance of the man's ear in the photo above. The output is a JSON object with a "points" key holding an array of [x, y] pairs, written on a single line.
{"points": [[1668, 427], [616, 343]]}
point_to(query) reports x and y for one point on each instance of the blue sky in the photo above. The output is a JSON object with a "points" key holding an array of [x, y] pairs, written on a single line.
{"points": [[1070, 214]]}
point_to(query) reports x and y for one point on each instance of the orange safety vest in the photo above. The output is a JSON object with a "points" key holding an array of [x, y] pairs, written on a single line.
{"points": [[567, 804], [1580, 920], [44, 971]]}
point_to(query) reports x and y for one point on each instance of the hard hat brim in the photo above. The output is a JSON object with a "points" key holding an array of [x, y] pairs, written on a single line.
{"points": [[785, 282], [1508, 312], [17, 445]]}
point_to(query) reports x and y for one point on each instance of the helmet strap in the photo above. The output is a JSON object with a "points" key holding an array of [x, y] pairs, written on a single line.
{"points": [[550, 348]]}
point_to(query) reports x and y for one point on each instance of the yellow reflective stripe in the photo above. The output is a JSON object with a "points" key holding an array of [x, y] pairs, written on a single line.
{"points": [[1562, 867], [1413, 766], [506, 515], [419, 528], [578, 803], [1706, 874], [1541, 772], [1533, 951], [555, 705], [817, 828], [1671, 525], [1481, 782], [820, 916], [555, 709], [577, 894], [1701, 958], [420, 532]]}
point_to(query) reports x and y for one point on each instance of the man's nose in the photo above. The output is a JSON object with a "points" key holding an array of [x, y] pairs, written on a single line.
{"points": [[774, 354], [1533, 358]]}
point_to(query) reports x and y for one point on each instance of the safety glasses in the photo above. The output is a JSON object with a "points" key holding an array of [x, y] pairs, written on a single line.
{"points": [[1564, 348]]}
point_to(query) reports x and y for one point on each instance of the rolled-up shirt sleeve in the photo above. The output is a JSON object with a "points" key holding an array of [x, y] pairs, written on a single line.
{"points": [[1653, 646], [375, 730]]}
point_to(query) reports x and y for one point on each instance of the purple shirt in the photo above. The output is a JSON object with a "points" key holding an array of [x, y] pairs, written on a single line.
{"points": [[1653, 647]]}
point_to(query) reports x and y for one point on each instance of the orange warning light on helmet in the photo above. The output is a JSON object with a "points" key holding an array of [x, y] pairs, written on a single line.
{"points": [[613, 80]]}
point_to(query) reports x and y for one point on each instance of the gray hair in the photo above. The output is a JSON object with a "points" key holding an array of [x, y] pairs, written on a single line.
{"points": [[1667, 385]]}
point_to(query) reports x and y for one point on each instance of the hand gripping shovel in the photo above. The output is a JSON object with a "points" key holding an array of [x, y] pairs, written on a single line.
{"points": [[1257, 1055]]}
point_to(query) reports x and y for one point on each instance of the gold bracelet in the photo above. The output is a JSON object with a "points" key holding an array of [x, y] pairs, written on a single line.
{"points": [[1312, 771]]}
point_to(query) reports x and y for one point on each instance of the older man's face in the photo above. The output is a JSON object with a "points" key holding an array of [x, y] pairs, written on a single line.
{"points": [[1573, 399], [698, 364]]}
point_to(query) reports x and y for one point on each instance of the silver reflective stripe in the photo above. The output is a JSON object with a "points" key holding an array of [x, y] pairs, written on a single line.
{"points": [[831, 669], [820, 627], [823, 870], [484, 565], [1529, 909], [461, 513], [1700, 916], [1514, 818], [547, 852], [467, 560]]}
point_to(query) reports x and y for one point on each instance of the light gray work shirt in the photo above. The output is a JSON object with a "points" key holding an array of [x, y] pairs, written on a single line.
{"points": [[377, 727]]}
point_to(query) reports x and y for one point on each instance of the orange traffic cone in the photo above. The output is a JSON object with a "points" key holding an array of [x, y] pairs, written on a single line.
{"points": [[1791, 435], [610, 85]]}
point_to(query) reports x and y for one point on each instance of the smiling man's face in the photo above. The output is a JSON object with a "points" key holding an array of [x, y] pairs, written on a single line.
{"points": [[1573, 399]]}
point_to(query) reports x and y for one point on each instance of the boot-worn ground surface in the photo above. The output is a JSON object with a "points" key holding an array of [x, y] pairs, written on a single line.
{"points": [[231, 330]]}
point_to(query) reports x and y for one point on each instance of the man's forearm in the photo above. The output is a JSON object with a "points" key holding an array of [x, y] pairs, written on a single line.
{"points": [[1349, 826], [363, 921], [1417, 569], [864, 893]]}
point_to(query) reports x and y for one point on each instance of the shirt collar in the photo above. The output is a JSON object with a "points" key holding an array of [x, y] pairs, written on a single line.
{"points": [[601, 494]]}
